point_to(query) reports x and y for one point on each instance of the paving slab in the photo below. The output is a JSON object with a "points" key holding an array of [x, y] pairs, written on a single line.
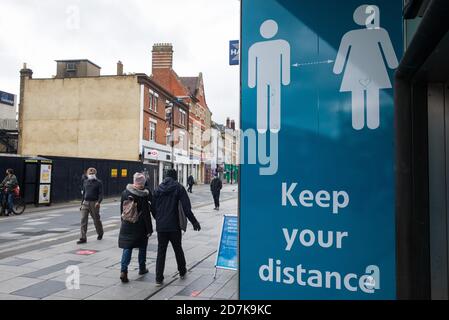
{"points": [[41, 289]]}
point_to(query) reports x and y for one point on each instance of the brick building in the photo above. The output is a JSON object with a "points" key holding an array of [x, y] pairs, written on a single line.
{"points": [[113, 117], [191, 91]]}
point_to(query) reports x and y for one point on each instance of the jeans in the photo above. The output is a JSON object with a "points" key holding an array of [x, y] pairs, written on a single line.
{"points": [[126, 258], [9, 200], [163, 239]]}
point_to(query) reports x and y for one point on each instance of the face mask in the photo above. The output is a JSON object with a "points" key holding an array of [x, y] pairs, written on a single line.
{"points": [[91, 177]]}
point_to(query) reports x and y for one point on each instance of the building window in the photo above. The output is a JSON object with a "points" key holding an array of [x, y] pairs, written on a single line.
{"points": [[71, 66], [181, 141], [182, 117], [153, 101], [152, 131]]}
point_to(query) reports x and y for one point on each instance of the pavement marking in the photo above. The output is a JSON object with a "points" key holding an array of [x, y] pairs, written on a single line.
{"points": [[35, 223]]}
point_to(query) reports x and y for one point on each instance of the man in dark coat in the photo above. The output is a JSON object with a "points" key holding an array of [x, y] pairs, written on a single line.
{"points": [[135, 235], [215, 187], [190, 183], [166, 199], [92, 198]]}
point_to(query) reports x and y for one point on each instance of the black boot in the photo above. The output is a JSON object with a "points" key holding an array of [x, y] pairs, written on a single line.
{"points": [[124, 277]]}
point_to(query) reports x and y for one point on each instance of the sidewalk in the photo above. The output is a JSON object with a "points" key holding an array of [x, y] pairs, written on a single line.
{"points": [[40, 274]]}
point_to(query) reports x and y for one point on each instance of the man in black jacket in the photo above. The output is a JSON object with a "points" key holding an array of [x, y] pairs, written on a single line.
{"points": [[92, 198], [190, 183], [215, 187], [165, 211]]}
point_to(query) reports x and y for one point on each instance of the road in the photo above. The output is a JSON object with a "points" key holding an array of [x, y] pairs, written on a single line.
{"points": [[35, 230]]}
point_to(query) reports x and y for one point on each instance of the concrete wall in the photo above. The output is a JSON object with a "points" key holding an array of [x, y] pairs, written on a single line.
{"points": [[7, 112], [82, 117]]}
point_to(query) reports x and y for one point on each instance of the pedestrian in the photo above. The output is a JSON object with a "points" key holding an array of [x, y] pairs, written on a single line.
{"points": [[7, 187], [167, 199], [215, 187], [190, 183], [91, 202], [134, 232]]}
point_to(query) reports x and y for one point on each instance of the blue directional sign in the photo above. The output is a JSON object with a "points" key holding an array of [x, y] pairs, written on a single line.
{"points": [[7, 98], [234, 52], [227, 250], [317, 218]]}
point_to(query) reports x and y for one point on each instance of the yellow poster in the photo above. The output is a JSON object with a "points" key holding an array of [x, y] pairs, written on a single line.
{"points": [[124, 173], [114, 173], [45, 173]]}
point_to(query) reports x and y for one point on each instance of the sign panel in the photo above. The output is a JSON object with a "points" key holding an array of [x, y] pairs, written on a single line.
{"points": [[45, 173], [7, 98], [44, 194], [227, 250], [114, 173], [124, 173], [234, 52], [317, 180]]}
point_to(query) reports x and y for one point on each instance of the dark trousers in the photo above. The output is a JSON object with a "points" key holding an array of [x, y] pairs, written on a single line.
{"points": [[126, 258], [190, 188], [216, 196], [163, 239]]}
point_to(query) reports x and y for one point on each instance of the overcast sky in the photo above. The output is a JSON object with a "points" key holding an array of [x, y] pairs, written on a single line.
{"points": [[105, 31]]}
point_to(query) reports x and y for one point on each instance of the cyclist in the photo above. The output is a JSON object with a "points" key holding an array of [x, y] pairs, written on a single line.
{"points": [[7, 188]]}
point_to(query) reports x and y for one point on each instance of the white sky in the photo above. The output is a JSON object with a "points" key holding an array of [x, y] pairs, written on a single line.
{"points": [[105, 31]]}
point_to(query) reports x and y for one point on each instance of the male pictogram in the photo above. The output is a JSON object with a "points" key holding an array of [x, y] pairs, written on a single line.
{"points": [[269, 66]]}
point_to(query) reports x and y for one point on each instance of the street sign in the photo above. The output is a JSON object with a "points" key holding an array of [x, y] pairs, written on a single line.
{"points": [[234, 52], [317, 209], [227, 249]]}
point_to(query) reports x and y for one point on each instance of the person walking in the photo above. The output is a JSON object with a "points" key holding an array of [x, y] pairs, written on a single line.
{"points": [[7, 187], [167, 199], [136, 225], [215, 187], [190, 183], [92, 198]]}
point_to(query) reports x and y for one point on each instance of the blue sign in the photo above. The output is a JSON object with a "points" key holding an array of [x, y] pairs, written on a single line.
{"points": [[227, 250], [234, 52], [7, 98], [317, 210]]}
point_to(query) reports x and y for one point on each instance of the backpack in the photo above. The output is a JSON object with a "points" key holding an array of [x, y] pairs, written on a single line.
{"points": [[130, 213]]}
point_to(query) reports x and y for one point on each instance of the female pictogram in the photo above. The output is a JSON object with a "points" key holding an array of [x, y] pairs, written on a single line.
{"points": [[366, 72]]}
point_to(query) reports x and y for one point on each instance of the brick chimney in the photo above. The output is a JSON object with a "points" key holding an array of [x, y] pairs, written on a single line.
{"points": [[162, 56], [228, 123], [119, 68], [233, 125], [25, 75]]}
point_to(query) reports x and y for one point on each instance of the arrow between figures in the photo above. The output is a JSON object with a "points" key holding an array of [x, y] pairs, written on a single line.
{"points": [[297, 65]]}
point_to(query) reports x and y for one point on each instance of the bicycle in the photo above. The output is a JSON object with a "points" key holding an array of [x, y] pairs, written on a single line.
{"points": [[19, 204]]}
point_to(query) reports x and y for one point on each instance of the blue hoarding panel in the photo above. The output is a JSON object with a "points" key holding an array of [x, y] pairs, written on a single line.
{"points": [[7, 98], [227, 250], [234, 52], [317, 215]]}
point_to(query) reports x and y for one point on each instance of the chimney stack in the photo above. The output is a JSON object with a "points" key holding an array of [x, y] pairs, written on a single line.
{"points": [[233, 125], [119, 68], [162, 56], [228, 123]]}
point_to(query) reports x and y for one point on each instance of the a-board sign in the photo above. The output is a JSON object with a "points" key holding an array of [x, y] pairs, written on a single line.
{"points": [[228, 246]]}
